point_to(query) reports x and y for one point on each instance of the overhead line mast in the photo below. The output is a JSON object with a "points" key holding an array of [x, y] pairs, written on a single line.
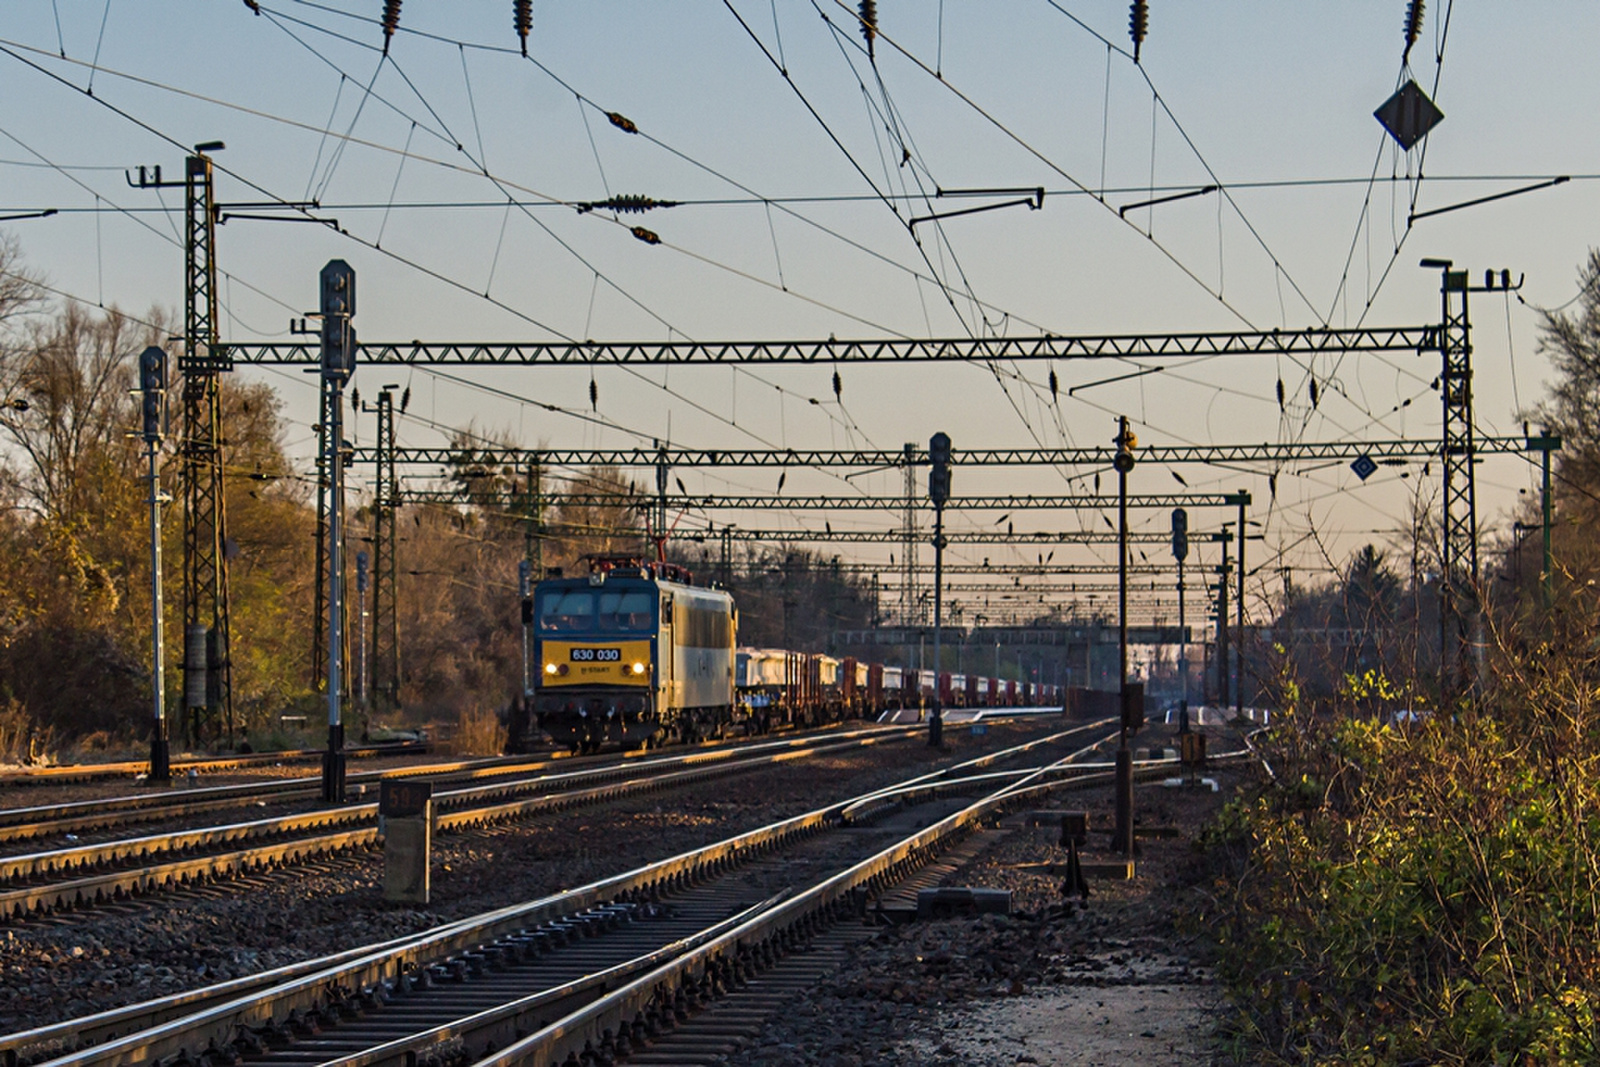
{"points": [[207, 659]]}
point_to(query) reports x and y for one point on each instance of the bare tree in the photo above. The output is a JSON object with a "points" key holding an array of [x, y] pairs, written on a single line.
{"points": [[68, 411]]}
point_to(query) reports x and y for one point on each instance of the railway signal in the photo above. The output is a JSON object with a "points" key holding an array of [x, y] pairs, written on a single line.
{"points": [[153, 389], [939, 493], [338, 305], [1132, 718]]}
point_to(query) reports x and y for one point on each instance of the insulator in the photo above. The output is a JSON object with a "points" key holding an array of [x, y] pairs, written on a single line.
{"points": [[1138, 25], [783, 476], [1313, 392], [869, 25], [649, 237], [1413, 27], [838, 386], [625, 204], [405, 400], [391, 21], [522, 18], [622, 122], [594, 395], [1055, 384]]}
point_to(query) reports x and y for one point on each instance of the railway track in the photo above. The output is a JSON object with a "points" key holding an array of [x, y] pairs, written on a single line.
{"points": [[113, 814], [73, 773], [36, 883], [605, 965]]}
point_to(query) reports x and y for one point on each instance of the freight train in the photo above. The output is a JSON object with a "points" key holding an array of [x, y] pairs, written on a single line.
{"points": [[634, 654]]}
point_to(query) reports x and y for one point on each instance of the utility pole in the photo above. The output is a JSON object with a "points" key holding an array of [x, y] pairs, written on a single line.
{"points": [[1458, 577], [1224, 690], [1545, 443], [908, 543], [207, 660], [1180, 552], [938, 492], [384, 657], [525, 595], [1126, 442], [661, 502], [362, 693], [338, 306], [153, 387], [1238, 647]]}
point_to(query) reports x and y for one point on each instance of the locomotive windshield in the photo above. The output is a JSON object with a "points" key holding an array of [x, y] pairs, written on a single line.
{"points": [[628, 610], [570, 611]]}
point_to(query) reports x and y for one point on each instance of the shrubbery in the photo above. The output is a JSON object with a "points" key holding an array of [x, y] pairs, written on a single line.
{"points": [[1428, 894]]}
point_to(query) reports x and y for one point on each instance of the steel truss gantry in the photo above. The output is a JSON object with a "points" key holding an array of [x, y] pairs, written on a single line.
{"points": [[204, 357], [1315, 341], [1024, 502], [1395, 452]]}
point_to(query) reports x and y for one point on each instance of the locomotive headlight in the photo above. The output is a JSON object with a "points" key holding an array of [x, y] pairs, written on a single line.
{"points": [[638, 668], [549, 668]]}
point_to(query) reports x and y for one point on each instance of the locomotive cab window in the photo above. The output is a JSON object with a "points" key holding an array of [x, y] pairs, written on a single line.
{"points": [[566, 611], [666, 611], [626, 611]]}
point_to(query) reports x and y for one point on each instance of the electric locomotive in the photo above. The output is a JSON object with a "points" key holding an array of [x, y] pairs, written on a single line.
{"points": [[632, 654]]}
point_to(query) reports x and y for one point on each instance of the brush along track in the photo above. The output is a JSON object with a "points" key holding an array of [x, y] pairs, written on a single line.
{"points": [[636, 918], [87, 875]]}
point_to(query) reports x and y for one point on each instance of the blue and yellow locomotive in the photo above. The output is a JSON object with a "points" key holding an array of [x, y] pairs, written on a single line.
{"points": [[632, 654]]}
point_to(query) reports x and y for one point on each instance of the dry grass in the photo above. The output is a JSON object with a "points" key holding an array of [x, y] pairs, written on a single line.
{"points": [[479, 733]]}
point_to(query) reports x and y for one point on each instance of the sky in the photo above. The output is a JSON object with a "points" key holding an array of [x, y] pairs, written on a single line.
{"points": [[454, 168]]}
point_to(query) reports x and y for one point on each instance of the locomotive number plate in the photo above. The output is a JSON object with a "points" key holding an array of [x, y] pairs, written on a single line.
{"points": [[596, 655]]}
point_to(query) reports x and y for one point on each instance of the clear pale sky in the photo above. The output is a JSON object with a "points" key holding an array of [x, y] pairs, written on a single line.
{"points": [[1249, 92]]}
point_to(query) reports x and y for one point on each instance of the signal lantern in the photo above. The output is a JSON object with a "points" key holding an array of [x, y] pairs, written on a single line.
{"points": [[153, 386], [939, 472], [1180, 534], [338, 305], [1126, 442]]}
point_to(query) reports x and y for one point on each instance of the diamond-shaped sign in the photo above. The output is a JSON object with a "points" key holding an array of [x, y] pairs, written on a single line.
{"points": [[1408, 115], [1364, 467]]}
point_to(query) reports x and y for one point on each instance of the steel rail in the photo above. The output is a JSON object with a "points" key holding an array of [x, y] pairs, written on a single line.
{"points": [[67, 774], [119, 884], [606, 1026], [149, 1032], [609, 1026], [260, 1006], [405, 1050], [54, 819]]}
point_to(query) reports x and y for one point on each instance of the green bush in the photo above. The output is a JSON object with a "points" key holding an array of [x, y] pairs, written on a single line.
{"points": [[1426, 895]]}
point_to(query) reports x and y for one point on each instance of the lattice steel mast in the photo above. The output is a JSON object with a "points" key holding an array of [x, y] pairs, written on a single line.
{"points": [[385, 651], [207, 663]]}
